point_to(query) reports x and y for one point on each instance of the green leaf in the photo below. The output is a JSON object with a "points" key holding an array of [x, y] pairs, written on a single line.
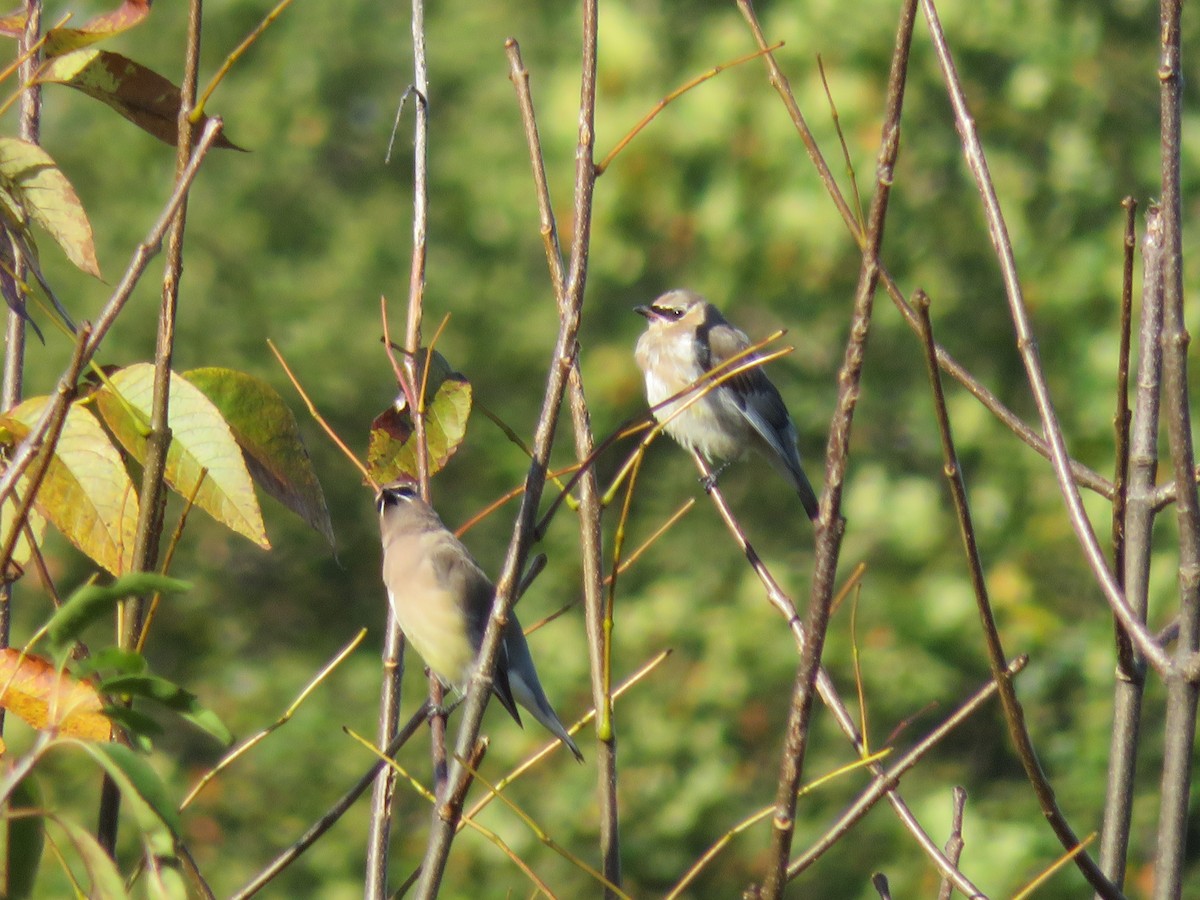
{"points": [[140, 727], [173, 697], [92, 601], [391, 452], [141, 95], [143, 792], [203, 450], [26, 840], [106, 882], [266, 430], [111, 661], [86, 493], [30, 177]]}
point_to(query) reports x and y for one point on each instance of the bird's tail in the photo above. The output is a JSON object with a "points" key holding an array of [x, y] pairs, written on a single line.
{"points": [[527, 689]]}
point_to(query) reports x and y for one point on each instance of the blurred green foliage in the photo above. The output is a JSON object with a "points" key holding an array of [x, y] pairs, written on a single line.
{"points": [[296, 241]]}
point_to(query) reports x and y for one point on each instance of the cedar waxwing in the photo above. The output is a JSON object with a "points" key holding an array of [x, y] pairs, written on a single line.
{"points": [[442, 601], [686, 336]]}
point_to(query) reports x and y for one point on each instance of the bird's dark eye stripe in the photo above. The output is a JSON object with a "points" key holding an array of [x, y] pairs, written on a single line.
{"points": [[671, 312]]}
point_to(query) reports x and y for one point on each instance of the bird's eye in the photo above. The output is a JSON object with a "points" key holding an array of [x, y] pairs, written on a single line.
{"points": [[669, 312]]}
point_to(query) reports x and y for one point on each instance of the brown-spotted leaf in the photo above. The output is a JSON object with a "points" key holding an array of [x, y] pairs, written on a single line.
{"points": [[30, 180], [124, 17], [34, 689], [141, 95], [86, 493], [266, 430], [202, 446], [391, 453]]}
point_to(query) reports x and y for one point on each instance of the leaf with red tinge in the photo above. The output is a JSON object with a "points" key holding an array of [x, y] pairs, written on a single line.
{"points": [[127, 15], [203, 450], [390, 453], [34, 689], [30, 179], [141, 95], [265, 428], [86, 493]]}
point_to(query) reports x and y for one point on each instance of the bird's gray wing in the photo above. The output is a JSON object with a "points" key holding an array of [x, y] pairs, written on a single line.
{"points": [[458, 571], [759, 401]]}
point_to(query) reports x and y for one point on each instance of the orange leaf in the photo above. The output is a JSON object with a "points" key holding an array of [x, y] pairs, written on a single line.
{"points": [[34, 689], [64, 40]]}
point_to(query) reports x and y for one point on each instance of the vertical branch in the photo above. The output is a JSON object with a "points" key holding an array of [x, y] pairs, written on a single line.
{"points": [[1138, 530], [1182, 691], [152, 496], [14, 338], [393, 643], [565, 349], [590, 507], [1121, 422], [831, 525]]}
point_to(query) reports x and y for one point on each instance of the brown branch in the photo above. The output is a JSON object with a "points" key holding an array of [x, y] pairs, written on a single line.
{"points": [[830, 527], [1027, 347], [565, 348], [889, 779], [1183, 693], [1014, 715]]}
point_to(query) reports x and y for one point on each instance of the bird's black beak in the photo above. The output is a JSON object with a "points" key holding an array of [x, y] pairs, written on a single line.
{"points": [[647, 311]]}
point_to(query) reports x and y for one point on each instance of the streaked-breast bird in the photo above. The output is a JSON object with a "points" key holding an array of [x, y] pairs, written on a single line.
{"points": [[685, 338], [442, 601]]}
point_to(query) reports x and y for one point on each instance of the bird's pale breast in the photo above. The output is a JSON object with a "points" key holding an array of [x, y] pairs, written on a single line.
{"points": [[713, 425], [433, 620]]}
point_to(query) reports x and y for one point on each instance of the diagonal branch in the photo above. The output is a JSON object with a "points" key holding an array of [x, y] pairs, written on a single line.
{"points": [[831, 527], [1027, 347]]}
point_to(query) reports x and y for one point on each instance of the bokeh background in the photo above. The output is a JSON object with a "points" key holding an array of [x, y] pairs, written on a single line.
{"points": [[296, 240]]}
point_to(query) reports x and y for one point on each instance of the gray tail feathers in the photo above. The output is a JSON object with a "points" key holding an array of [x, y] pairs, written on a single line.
{"points": [[526, 689], [807, 495]]}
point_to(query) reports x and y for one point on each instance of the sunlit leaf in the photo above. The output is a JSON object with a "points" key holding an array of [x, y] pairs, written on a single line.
{"points": [[127, 15], [391, 453], [202, 446], [22, 550], [34, 689], [266, 430], [31, 179], [86, 493], [141, 95], [171, 696], [26, 840], [92, 601]]}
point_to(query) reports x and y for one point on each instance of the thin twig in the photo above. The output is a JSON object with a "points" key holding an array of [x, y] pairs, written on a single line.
{"points": [[826, 688], [152, 498], [1014, 714], [1027, 347], [335, 812], [590, 507], [565, 347], [147, 250], [1183, 692], [1085, 476], [889, 779], [831, 526], [954, 844], [1136, 555]]}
